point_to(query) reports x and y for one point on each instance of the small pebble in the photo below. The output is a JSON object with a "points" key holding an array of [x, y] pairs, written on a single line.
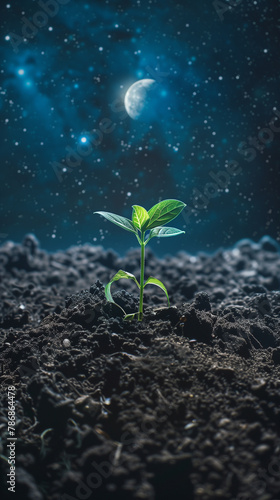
{"points": [[66, 343], [185, 445], [258, 384], [82, 400], [190, 425], [223, 421], [215, 464], [225, 371], [262, 449]]}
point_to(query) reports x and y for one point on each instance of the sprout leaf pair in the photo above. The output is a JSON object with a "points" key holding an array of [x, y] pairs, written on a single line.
{"points": [[142, 221]]}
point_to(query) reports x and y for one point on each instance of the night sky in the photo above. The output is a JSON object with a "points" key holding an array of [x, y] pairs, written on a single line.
{"points": [[69, 148]]}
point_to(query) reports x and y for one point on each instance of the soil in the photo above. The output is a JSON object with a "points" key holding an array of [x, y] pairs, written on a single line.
{"points": [[184, 405]]}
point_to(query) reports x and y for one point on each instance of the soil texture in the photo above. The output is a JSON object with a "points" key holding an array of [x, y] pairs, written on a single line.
{"points": [[184, 405]]}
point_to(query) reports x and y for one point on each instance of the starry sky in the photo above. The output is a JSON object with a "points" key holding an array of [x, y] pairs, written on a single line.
{"points": [[69, 148]]}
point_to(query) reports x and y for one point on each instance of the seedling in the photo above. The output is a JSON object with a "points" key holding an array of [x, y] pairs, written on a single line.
{"points": [[143, 221]]}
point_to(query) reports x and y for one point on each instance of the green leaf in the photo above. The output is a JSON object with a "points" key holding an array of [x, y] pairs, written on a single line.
{"points": [[119, 275], [164, 232], [130, 317], [155, 281], [119, 221], [164, 212], [139, 216]]}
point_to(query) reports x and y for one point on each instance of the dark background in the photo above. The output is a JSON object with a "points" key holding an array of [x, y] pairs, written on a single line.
{"points": [[218, 66]]}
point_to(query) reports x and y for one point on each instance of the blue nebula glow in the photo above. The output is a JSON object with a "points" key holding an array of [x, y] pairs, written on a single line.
{"points": [[210, 95]]}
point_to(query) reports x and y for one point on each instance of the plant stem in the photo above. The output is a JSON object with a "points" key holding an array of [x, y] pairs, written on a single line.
{"points": [[140, 313]]}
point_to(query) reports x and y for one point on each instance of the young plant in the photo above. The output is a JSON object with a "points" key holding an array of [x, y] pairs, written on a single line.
{"points": [[143, 221]]}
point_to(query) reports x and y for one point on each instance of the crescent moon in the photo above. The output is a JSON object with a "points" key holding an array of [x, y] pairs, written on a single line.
{"points": [[138, 99]]}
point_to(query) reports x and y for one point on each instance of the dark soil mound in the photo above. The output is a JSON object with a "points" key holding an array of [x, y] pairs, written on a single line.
{"points": [[184, 405]]}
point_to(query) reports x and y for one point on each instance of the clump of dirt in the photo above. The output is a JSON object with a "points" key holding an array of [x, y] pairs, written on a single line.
{"points": [[185, 404]]}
